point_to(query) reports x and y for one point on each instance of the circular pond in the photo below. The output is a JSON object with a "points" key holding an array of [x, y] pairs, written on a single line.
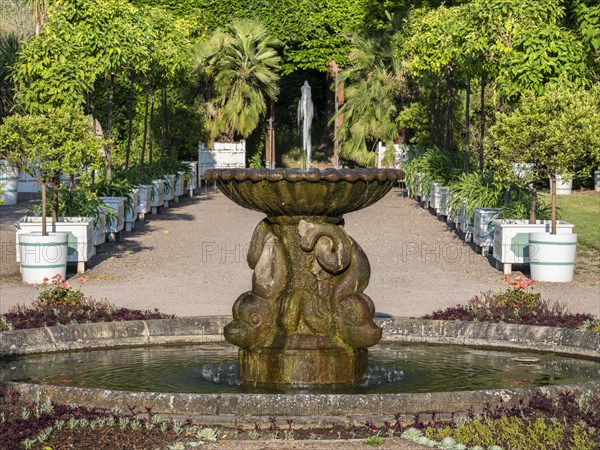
{"points": [[212, 368], [419, 367]]}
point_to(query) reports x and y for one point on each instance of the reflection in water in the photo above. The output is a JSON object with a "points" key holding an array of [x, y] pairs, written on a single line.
{"points": [[393, 368]]}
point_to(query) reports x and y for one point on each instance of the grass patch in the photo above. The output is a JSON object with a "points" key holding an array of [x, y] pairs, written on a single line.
{"points": [[582, 209]]}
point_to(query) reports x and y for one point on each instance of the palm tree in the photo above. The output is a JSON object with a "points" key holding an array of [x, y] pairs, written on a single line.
{"points": [[9, 46], [239, 67], [373, 85]]}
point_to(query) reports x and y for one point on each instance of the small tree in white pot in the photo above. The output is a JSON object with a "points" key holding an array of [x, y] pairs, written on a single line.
{"points": [[557, 132], [46, 146]]}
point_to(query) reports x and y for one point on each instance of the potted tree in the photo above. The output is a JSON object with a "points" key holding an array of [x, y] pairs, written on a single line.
{"points": [[238, 66], [46, 146], [556, 132]]}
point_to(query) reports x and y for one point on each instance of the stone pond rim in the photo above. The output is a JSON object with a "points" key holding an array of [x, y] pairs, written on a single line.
{"points": [[307, 320], [306, 408]]}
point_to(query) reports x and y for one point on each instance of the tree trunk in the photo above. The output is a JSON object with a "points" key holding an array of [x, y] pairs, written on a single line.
{"points": [[109, 120], [151, 129], [553, 211], [468, 125], [532, 215], [269, 137], [166, 112], [130, 125], [448, 124], [55, 188], [432, 108], [145, 134], [92, 107], [163, 125], [482, 130], [43, 189], [438, 115]]}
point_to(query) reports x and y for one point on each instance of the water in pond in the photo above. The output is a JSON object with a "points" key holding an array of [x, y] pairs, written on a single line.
{"points": [[212, 368]]}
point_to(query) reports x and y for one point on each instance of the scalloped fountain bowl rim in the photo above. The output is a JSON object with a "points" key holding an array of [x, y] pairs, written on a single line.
{"points": [[298, 175], [304, 408], [296, 193]]}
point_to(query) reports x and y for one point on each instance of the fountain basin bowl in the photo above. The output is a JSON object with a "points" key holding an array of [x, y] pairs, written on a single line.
{"points": [[324, 193]]}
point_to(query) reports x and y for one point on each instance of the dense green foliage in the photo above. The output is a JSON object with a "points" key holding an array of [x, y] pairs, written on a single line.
{"points": [[514, 432], [312, 32], [430, 73]]}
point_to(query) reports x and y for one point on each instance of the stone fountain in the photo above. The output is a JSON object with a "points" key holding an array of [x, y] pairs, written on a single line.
{"points": [[307, 320]]}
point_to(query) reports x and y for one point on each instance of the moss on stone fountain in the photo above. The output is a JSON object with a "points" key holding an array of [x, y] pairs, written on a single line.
{"points": [[307, 319]]}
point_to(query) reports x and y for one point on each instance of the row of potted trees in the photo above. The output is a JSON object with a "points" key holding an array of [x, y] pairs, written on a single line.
{"points": [[542, 137], [90, 208], [496, 214], [91, 213], [512, 239]]}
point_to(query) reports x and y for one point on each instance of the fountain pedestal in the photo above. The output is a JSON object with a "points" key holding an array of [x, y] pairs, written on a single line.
{"points": [[306, 319]]}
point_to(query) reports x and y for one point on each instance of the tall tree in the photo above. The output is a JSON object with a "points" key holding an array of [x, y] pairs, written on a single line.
{"points": [[9, 46], [240, 64], [432, 50], [374, 86]]}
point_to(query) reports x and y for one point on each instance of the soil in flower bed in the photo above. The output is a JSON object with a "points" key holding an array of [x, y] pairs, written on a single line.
{"points": [[503, 307], [91, 311]]}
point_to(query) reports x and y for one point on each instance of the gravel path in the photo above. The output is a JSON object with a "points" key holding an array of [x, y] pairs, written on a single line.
{"points": [[190, 261]]}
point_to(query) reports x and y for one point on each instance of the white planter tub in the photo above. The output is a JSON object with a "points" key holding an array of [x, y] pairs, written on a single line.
{"points": [[425, 189], [597, 180], [223, 155], [169, 189], [444, 200], [418, 186], [564, 185], [179, 186], [131, 209], [9, 183], [483, 232], [116, 223], [552, 256], [193, 183], [158, 195], [100, 230], [144, 204], [511, 240], [450, 211], [434, 195], [42, 257], [463, 222], [80, 232]]}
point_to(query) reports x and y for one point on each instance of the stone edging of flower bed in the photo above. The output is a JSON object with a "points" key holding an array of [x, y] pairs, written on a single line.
{"points": [[305, 408]]}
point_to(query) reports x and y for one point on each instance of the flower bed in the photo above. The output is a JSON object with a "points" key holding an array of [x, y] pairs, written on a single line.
{"points": [[517, 305], [59, 303]]}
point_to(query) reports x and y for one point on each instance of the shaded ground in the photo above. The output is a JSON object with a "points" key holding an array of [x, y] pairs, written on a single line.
{"points": [[190, 260]]}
